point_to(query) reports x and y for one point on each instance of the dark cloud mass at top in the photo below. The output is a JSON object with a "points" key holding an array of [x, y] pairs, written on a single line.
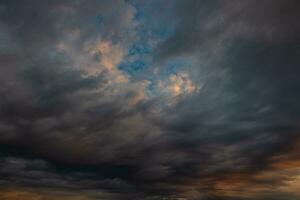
{"points": [[149, 100]]}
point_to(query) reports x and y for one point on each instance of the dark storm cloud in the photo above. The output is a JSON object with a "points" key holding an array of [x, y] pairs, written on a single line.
{"points": [[39, 173], [240, 123], [71, 121], [37, 85], [247, 116], [51, 110], [201, 23]]}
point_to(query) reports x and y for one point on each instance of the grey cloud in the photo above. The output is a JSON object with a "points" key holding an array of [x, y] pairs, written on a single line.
{"points": [[203, 23], [61, 128]]}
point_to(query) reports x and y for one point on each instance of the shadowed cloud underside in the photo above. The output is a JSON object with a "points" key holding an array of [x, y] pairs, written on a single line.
{"points": [[149, 100]]}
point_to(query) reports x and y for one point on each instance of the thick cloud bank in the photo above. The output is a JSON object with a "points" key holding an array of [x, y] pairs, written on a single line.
{"points": [[193, 100]]}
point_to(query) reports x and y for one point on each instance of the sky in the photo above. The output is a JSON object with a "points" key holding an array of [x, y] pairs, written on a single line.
{"points": [[149, 100]]}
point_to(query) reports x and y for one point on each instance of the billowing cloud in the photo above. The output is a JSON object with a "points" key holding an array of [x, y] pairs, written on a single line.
{"points": [[119, 100]]}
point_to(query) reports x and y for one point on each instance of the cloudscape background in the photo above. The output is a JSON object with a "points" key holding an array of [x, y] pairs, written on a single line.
{"points": [[150, 100]]}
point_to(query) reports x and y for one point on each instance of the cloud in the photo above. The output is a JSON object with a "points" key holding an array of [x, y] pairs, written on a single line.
{"points": [[212, 113], [203, 23]]}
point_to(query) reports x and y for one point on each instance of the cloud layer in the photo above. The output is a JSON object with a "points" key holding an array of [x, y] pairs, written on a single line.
{"points": [[119, 100]]}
